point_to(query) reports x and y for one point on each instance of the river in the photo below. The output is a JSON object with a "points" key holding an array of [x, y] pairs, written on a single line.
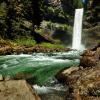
{"points": [[41, 68]]}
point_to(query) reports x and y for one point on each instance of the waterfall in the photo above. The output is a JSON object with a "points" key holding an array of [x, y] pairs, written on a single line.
{"points": [[76, 43]]}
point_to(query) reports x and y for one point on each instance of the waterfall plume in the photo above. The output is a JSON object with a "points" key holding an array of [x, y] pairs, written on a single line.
{"points": [[77, 30]]}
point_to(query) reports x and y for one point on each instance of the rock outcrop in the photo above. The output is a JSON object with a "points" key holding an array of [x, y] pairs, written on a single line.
{"points": [[16, 90], [83, 82], [91, 57]]}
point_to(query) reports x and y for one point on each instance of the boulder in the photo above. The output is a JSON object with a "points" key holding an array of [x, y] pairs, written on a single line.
{"points": [[83, 84], [70, 70], [16, 90], [62, 76], [87, 61], [90, 57]]}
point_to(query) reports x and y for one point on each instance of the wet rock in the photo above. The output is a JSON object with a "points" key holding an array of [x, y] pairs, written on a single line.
{"points": [[90, 57], [5, 50], [62, 76], [70, 70], [22, 75], [83, 84], [87, 61], [1, 77], [16, 90], [7, 78], [18, 49]]}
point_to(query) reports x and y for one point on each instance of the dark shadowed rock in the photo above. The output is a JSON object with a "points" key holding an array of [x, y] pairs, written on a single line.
{"points": [[87, 61], [90, 57], [95, 48], [39, 38]]}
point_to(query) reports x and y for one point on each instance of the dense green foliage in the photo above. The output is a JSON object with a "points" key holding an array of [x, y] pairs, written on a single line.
{"points": [[69, 6], [15, 14], [19, 17]]}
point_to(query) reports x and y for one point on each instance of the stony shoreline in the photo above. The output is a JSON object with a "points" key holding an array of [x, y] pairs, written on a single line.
{"points": [[7, 50]]}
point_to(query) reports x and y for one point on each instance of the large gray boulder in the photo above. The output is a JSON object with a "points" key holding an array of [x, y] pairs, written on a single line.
{"points": [[16, 90]]}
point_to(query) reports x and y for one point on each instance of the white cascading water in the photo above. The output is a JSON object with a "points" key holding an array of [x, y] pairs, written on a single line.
{"points": [[76, 43]]}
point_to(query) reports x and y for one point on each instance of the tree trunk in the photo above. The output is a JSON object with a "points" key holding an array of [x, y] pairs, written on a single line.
{"points": [[9, 18], [36, 14]]}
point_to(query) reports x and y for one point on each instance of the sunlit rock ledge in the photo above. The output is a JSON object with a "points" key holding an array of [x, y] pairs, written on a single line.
{"points": [[83, 81], [17, 90]]}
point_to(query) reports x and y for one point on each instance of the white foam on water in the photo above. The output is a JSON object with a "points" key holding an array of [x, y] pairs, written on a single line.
{"points": [[12, 61], [21, 55], [41, 90], [4, 66], [45, 89], [37, 59]]}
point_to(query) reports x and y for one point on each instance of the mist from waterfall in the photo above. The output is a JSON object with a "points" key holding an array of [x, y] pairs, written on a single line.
{"points": [[77, 30]]}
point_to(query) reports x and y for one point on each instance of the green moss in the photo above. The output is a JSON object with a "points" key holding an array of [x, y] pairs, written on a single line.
{"points": [[25, 41], [29, 42], [49, 45]]}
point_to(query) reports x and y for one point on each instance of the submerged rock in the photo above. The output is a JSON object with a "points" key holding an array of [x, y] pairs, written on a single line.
{"points": [[17, 90], [53, 96]]}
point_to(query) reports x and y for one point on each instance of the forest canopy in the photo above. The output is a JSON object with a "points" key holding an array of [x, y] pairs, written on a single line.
{"points": [[18, 17]]}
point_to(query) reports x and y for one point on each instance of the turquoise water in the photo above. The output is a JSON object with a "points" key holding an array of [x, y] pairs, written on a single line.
{"points": [[42, 66]]}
